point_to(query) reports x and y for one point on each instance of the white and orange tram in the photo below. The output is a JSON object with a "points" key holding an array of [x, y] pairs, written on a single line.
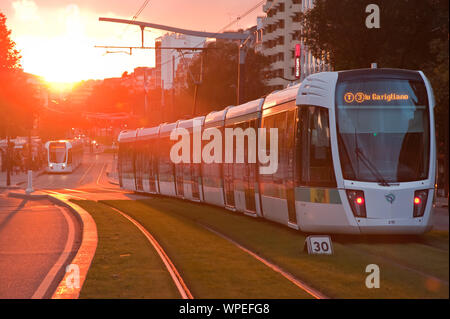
{"points": [[63, 156], [356, 154]]}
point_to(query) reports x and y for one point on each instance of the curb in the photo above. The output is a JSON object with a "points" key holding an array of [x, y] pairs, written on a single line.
{"points": [[111, 180], [67, 289], [17, 185], [10, 187]]}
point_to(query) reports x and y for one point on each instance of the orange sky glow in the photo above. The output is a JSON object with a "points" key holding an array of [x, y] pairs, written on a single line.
{"points": [[57, 37]]}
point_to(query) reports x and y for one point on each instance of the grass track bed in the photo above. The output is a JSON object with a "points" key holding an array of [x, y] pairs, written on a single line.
{"points": [[211, 266], [339, 276], [125, 265]]}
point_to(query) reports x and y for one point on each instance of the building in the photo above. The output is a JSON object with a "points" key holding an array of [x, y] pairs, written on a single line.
{"points": [[258, 45], [281, 34], [82, 91], [141, 79], [167, 60]]}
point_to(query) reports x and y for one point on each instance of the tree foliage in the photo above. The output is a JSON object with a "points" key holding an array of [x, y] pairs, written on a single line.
{"points": [[17, 95], [403, 40], [218, 87], [110, 96], [9, 55]]}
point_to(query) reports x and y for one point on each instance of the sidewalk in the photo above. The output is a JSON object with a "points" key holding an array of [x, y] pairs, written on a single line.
{"points": [[112, 173], [113, 176], [18, 180]]}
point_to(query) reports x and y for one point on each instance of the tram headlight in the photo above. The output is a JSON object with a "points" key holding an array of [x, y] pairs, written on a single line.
{"points": [[357, 202], [420, 201]]}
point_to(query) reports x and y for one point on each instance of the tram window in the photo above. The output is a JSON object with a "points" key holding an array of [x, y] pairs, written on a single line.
{"points": [[277, 121], [166, 166], [150, 159], [127, 164], [316, 163], [69, 156], [57, 152]]}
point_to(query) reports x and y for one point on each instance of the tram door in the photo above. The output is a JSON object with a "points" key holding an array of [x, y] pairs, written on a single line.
{"points": [[151, 164], [228, 184], [289, 140], [138, 169], [179, 179], [249, 177], [195, 176]]}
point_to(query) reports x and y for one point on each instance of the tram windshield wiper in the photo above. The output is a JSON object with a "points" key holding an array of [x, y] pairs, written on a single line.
{"points": [[372, 168]]}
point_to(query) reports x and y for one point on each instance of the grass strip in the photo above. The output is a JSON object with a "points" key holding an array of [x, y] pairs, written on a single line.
{"points": [[125, 264], [211, 266], [341, 275]]}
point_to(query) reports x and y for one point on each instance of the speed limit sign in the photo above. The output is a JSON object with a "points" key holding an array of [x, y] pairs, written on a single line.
{"points": [[319, 244]]}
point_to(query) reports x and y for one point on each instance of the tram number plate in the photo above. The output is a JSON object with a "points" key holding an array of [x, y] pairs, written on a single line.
{"points": [[319, 244]]}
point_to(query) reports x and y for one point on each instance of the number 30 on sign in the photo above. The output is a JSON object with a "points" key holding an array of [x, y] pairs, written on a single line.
{"points": [[319, 244]]}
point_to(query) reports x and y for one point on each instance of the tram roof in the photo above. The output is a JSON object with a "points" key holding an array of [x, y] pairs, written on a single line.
{"points": [[127, 136], [282, 96], [166, 128], [246, 108], [188, 124], [217, 116], [379, 73], [148, 132]]}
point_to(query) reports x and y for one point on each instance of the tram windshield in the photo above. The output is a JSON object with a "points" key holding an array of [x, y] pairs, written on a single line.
{"points": [[57, 152], [383, 130]]}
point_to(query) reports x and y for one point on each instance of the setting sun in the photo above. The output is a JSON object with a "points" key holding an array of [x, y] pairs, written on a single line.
{"points": [[59, 44], [57, 40]]}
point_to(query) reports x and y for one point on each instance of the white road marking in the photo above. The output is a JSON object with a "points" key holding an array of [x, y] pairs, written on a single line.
{"points": [[74, 190], [50, 277], [87, 171]]}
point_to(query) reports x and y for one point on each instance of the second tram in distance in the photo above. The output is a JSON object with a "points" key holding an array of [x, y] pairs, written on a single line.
{"points": [[356, 154], [63, 156]]}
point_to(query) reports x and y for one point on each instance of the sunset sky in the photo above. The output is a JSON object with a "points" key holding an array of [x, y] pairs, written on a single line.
{"points": [[57, 37]]}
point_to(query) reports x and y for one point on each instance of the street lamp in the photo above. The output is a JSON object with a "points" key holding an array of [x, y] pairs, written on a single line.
{"points": [[29, 188]]}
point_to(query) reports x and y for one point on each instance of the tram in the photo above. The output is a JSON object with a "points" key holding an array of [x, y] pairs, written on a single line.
{"points": [[356, 155], [63, 156]]}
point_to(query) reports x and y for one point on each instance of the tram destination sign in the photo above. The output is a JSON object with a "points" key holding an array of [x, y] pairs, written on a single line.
{"points": [[360, 97]]}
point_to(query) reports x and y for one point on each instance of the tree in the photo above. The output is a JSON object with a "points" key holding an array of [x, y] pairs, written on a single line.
{"points": [[9, 55], [111, 96], [17, 96], [403, 40], [218, 87]]}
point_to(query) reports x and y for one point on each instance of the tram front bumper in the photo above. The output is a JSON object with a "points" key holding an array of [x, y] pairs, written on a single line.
{"points": [[417, 225]]}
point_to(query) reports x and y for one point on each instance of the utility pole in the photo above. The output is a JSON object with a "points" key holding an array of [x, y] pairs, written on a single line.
{"points": [[241, 74], [8, 156], [172, 109], [29, 188], [145, 95]]}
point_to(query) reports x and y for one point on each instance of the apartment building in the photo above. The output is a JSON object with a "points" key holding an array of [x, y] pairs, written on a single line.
{"points": [[167, 61], [281, 34]]}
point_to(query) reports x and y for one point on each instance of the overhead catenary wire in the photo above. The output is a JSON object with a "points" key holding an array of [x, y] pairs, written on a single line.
{"points": [[136, 15], [246, 13]]}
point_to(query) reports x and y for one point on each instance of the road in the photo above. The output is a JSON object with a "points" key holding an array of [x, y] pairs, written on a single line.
{"points": [[36, 234], [33, 236]]}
